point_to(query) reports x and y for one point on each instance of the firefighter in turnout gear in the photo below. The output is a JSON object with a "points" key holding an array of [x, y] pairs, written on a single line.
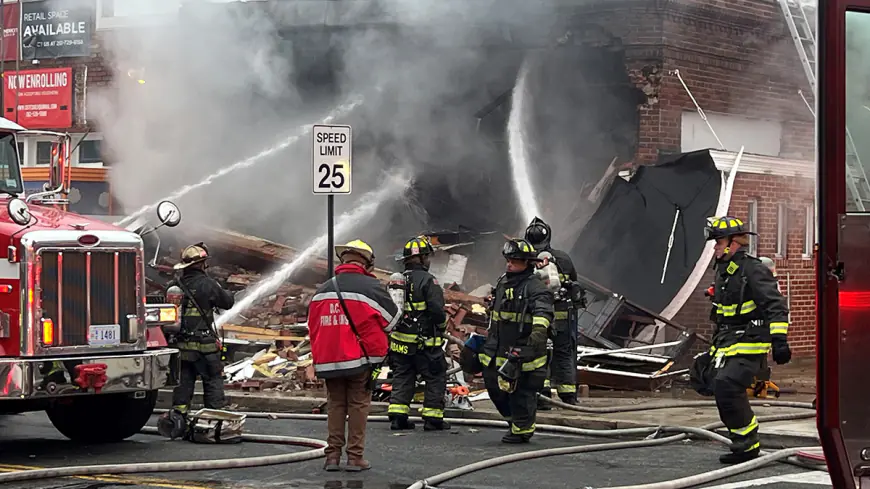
{"points": [[198, 341], [416, 342], [514, 355], [751, 315], [563, 366]]}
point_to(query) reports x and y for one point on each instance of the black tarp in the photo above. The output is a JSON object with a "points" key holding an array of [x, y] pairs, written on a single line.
{"points": [[623, 247]]}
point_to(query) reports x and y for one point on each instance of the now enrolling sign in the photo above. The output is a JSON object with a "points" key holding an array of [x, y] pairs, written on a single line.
{"points": [[331, 159]]}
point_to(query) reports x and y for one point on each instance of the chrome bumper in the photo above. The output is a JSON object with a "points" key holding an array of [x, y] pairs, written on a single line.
{"points": [[35, 378]]}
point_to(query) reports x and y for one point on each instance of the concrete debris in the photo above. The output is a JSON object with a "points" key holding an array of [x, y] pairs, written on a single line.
{"points": [[616, 342]]}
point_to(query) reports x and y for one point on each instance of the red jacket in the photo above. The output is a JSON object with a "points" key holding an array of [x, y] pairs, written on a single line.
{"points": [[334, 346]]}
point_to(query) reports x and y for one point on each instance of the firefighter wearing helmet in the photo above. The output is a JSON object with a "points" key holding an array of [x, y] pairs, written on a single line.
{"points": [[416, 344], [751, 315], [198, 340], [569, 298], [514, 354]]}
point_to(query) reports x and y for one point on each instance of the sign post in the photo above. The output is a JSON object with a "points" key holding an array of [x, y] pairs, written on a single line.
{"points": [[331, 173]]}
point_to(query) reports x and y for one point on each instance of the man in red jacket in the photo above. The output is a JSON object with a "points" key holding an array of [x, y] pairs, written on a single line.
{"points": [[347, 352]]}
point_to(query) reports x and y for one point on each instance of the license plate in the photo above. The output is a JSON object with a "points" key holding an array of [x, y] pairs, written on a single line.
{"points": [[104, 334]]}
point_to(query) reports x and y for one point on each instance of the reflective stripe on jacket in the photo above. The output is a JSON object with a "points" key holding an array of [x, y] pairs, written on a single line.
{"points": [[334, 347]]}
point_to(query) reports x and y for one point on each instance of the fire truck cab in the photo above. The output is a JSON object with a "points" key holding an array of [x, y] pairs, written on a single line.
{"points": [[77, 338]]}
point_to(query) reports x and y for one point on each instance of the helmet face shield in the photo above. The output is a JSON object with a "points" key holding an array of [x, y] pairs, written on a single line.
{"points": [[510, 248]]}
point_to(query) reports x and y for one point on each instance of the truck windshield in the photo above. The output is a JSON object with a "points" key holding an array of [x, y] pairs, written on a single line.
{"points": [[10, 171]]}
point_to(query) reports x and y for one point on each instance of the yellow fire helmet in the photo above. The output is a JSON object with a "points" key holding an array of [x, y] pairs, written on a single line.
{"points": [[192, 254], [359, 247]]}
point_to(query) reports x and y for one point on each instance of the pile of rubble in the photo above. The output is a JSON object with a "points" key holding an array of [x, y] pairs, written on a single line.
{"points": [[269, 339], [620, 345]]}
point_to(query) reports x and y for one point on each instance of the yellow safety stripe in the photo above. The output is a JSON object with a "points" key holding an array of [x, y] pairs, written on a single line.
{"points": [[535, 364], [55, 368], [485, 359], [546, 382], [744, 349], [559, 315], [522, 431], [181, 408], [399, 409], [541, 321], [753, 447], [753, 425], [196, 346], [511, 316], [192, 311], [433, 413], [404, 337], [415, 306], [499, 361], [566, 388], [563, 277], [433, 341], [779, 328], [731, 310]]}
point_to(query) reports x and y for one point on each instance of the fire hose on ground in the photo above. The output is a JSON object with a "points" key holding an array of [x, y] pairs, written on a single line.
{"points": [[317, 450]]}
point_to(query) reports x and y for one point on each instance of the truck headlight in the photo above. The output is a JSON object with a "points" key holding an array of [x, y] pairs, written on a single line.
{"points": [[161, 314]]}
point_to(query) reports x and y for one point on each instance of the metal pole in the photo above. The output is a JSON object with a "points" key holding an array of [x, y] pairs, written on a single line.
{"points": [[330, 233]]}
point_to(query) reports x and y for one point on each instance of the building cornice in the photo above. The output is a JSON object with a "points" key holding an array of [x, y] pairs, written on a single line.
{"points": [[764, 165]]}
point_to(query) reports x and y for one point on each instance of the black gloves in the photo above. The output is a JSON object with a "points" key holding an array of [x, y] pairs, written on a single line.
{"points": [[781, 351]]}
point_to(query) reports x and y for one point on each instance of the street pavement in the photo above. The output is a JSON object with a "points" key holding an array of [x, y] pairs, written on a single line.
{"points": [[29, 441]]}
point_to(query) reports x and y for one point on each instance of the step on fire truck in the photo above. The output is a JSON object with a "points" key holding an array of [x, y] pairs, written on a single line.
{"points": [[77, 339]]}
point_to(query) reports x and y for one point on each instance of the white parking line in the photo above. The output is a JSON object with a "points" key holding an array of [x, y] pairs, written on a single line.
{"points": [[815, 478]]}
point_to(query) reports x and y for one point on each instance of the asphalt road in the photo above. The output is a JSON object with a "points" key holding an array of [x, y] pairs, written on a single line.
{"points": [[29, 441]]}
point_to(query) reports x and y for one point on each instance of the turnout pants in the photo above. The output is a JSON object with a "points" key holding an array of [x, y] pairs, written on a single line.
{"points": [[520, 406], [208, 367], [430, 364], [563, 366], [347, 400], [730, 382]]}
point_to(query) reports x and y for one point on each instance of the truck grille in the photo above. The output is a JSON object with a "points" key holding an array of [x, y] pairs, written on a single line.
{"points": [[67, 289]]}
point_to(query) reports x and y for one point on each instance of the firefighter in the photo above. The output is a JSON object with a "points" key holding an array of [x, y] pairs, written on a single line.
{"points": [[416, 342], [514, 355], [563, 367], [751, 315], [198, 342]]}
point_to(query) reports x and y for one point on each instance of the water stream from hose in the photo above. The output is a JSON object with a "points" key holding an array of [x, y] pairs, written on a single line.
{"points": [[364, 211], [302, 131], [519, 153]]}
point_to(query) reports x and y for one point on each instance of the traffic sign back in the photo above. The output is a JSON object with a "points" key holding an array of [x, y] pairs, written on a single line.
{"points": [[331, 159]]}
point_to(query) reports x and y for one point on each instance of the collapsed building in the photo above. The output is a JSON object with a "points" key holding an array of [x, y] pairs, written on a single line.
{"points": [[626, 174]]}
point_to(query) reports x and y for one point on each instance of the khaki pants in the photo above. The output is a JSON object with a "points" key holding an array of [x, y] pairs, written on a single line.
{"points": [[347, 399]]}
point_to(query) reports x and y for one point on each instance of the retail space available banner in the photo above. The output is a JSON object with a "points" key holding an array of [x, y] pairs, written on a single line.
{"points": [[44, 98], [56, 28], [11, 16]]}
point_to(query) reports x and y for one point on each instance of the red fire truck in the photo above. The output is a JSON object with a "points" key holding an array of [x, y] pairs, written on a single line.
{"points": [[843, 266], [77, 338]]}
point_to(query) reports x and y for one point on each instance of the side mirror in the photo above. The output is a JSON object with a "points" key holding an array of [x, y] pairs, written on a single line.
{"points": [[168, 213], [59, 172], [18, 212]]}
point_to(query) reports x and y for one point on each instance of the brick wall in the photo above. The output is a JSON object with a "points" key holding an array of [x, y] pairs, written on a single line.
{"points": [[737, 58]]}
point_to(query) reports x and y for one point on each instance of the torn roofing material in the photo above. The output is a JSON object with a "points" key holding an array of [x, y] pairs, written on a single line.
{"points": [[625, 243]]}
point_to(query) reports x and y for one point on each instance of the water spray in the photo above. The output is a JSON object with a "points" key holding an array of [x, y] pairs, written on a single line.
{"points": [[369, 203], [519, 154], [339, 111]]}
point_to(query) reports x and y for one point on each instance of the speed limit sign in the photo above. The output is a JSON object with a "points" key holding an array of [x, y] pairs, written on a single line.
{"points": [[331, 159]]}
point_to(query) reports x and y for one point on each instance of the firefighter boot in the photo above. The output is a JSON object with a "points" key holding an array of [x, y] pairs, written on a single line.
{"points": [[739, 457], [515, 438], [401, 422], [569, 398], [435, 425]]}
